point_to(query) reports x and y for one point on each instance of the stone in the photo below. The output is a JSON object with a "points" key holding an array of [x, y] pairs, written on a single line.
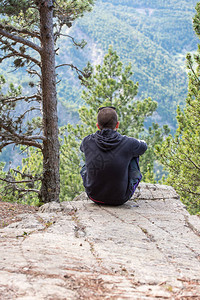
{"points": [[148, 248]]}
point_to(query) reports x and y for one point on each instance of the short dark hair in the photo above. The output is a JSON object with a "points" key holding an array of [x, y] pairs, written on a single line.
{"points": [[107, 118]]}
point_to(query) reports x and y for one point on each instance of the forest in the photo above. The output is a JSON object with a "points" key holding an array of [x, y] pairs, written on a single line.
{"points": [[153, 37], [155, 41]]}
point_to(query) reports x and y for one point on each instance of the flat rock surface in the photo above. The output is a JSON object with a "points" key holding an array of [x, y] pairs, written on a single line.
{"points": [[148, 248]]}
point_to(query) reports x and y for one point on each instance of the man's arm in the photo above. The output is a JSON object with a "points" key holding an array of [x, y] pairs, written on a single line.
{"points": [[82, 145], [139, 147]]}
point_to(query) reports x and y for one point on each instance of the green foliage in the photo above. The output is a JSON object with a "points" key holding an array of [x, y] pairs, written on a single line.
{"points": [[147, 35], [181, 154], [71, 181], [24, 12], [14, 7], [12, 91], [109, 84], [26, 179], [158, 4], [32, 168], [2, 184], [148, 163], [153, 35]]}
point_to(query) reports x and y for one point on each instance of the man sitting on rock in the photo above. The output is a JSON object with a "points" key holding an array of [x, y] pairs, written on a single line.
{"points": [[111, 172]]}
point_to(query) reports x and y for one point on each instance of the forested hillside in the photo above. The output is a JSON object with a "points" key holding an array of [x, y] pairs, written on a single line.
{"points": [[153, 35]]}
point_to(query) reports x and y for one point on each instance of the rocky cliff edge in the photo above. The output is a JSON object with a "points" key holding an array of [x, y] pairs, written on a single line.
{"points": [[149, 248]]}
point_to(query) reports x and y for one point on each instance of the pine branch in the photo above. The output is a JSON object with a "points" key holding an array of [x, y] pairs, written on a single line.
{"points": [[33, 34], [188, 190], [81, 44], [196, 166], [70, 65], [6, 100], [4, 144], [28, 143], [32, 178], [78, 71], [193, 72], [19, 54], [21, 138], [57, 34], [13, 182], [34, 72], [19, 39], [22, 190], [15, 53], [27, 111]]}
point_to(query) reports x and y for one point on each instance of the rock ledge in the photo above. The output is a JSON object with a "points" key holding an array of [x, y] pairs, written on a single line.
{"points": [[149, 248]]}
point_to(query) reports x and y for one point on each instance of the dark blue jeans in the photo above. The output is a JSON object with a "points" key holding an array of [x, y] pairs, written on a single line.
{"points": [[134, 175]]}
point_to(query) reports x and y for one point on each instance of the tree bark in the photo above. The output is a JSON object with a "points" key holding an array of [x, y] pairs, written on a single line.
{"points": [[51, 179]]}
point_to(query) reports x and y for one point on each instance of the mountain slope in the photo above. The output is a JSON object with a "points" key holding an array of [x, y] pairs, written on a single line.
{"points": [[154, 35], [155, 39]]}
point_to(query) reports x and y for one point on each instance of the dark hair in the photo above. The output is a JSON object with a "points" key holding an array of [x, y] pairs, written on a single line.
{"points": [[107, 118]]}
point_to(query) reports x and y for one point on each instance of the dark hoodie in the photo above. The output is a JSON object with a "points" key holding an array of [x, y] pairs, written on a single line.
{"points": [[107, 158]]}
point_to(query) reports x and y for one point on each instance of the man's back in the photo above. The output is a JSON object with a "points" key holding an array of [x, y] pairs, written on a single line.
{"points": [[107, 156]]}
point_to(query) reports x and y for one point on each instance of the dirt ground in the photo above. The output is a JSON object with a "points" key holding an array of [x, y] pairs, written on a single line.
{"points": [[9, 212]]}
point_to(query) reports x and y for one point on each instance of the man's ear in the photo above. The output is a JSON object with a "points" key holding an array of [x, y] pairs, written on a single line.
{"points": [[117, 126], [98, 126]]}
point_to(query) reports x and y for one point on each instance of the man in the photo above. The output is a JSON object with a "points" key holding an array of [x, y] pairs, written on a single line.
{"points": [[111, 172]]}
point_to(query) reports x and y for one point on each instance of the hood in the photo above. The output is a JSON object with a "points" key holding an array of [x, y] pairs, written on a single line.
{"points": [[107, 139]]}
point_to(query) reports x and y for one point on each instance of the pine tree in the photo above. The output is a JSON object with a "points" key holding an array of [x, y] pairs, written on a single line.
{"points": [[181, 154], [29, 30]]}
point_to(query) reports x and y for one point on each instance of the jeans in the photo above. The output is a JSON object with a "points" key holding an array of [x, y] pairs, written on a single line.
{"points": [[134, 175]]}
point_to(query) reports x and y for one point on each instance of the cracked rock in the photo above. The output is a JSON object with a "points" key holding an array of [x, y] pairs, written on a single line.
{"points": [[148, 248]]}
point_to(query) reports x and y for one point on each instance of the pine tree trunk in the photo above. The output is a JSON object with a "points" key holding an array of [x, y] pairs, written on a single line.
{"points": [[51, 180]]}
